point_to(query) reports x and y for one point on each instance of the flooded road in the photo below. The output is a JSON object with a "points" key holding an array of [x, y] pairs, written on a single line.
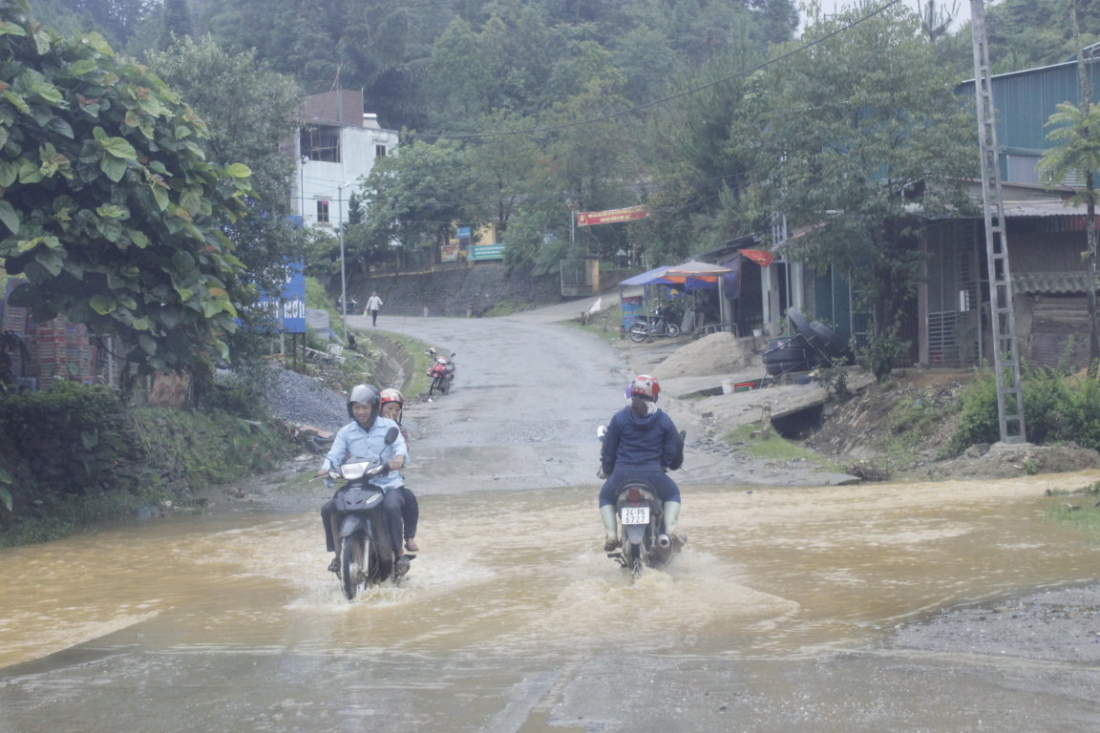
{"points": [[513, 620], [774, 618]]}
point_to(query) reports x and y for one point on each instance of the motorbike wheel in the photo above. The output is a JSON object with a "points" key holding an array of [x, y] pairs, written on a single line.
{"points": [[632, 560], [672, 330], [352, 559], [436, 386], [638, 333]]}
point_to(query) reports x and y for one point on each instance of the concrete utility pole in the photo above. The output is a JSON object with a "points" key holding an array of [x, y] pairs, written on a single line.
{"points": [[1006, 359], [343, 267]]}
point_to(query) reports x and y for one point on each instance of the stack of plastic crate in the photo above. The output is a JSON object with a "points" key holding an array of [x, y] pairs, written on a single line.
{"points": [[60, 349]]}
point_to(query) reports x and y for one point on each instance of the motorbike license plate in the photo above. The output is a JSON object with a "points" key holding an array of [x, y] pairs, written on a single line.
{"points": [[634, 515]]}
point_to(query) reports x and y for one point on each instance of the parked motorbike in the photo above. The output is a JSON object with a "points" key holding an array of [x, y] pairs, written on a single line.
{"points": [[442, 373], [353, 305], [662, 324], [366, 554], [643, 541]]}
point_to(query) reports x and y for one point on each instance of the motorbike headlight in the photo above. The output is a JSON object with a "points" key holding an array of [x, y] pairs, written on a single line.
{"points": [[352, 471]]}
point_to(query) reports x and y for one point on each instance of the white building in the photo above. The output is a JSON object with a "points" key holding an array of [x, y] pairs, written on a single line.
{"points": [[336, 147]]}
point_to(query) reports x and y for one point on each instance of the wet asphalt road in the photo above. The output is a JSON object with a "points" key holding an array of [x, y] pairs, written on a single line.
{"points": [[527, 398]]}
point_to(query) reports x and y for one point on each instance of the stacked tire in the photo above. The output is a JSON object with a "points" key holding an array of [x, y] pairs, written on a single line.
{"points": [[819, 337], [788, 354]]}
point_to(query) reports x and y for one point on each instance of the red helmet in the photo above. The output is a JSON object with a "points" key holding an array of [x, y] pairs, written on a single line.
{"points": [[645, 386], [391, 395]]}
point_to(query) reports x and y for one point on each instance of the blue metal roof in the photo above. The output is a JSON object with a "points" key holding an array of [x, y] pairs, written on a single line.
{"points": [[1026, 99]]}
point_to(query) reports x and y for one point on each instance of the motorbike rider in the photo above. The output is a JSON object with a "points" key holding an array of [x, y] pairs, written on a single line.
{"points": [[642, 443], [364, 438], [392, 406]]}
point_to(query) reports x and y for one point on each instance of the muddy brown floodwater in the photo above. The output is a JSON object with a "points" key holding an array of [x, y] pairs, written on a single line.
{"points": [[791, 609], [773, 619]]}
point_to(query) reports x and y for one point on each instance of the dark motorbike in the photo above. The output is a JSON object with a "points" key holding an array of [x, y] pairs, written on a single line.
{"points": [[441, 372], [662, 324], [642, 537], [360, 526], [643, 541]]}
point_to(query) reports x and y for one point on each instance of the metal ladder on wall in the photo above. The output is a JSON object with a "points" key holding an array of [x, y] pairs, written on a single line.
{"points": [[1006, 358]]}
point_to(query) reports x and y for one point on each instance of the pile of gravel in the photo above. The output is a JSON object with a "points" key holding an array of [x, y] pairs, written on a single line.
{"points": [[303, 400]]}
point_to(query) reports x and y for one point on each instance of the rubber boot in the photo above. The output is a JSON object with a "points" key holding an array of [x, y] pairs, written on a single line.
{"points": [[607, 514], [672, 518]]}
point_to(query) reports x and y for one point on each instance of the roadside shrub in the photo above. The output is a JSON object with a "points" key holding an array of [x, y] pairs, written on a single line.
{"points": [[1083, 410], [183, 444], [70, 434], [883, 352], [834, 378], [75, 456], [1057, 409], [1046, 407], [979, 422]]}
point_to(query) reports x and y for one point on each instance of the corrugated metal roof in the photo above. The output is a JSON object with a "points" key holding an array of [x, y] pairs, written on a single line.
{"points": [[1049, 282], [1041, 209]]}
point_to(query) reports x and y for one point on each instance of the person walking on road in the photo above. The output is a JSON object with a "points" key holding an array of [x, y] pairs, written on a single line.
{"points": [[374, 304]]}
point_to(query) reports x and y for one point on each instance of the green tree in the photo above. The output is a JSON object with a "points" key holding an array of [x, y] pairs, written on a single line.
{"points": [[935, 20], [698, 173], [109, 206], [377, 45], [780, 19], [846, 139], [176, 23], [1077, 127], [503, 168], [250, 114], [467, 75], [118, 20], [414, 199]]}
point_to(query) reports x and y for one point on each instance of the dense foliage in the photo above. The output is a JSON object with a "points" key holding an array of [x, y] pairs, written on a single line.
{"points": [[74, 455], [110, 207], [518, 113], [1025, 34], [848, 138], [1059, 409], [554, 106], [250, 113], [440, 64]]}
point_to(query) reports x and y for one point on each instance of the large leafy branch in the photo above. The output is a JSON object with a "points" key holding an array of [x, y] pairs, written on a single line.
{"points": [[108, 205]]}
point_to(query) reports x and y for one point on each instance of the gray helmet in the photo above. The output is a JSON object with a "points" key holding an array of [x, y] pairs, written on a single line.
{"points": [[366, 395]]}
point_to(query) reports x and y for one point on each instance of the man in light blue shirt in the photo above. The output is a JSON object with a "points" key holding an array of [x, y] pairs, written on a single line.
{"points": [[364, 439]]}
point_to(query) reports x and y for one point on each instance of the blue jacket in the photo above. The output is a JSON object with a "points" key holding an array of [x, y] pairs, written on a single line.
{"points": [[650, 441]]}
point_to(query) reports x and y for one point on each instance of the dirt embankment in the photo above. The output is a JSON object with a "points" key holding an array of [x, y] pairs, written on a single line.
{"points": [[899, 429]]}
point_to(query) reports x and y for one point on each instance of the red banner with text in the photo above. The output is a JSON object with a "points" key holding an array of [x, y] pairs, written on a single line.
{"points": [[611, 216]]}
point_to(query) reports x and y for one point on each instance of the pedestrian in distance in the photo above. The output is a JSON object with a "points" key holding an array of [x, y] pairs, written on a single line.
{"points": [[374, 304]]}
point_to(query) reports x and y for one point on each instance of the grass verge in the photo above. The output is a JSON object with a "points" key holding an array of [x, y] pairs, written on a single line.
{"points": [[1078, 508], [747, 439]]}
